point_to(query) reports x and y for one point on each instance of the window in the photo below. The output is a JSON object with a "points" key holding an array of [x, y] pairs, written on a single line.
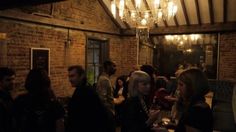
{"points": [[187, 50], [96, 53]]}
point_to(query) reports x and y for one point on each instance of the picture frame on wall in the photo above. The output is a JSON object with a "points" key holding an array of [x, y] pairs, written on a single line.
{"points": [[40, 58]]}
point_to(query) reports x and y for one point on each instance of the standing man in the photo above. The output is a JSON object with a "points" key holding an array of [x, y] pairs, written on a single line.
{"points": [[104, 86], [86, 112], [7, 77]]}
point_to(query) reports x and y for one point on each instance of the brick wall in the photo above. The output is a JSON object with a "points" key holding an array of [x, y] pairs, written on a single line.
{"points": [[27, 27], [227, 62]]}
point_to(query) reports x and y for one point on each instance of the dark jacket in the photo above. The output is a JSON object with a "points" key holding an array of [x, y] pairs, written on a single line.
{"points": [[37, 115], [6, 116], [135, 117], [87, 113], [198, 115]]}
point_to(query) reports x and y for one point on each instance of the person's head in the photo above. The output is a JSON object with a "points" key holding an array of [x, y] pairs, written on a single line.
{"points": [[121, 81], [192, 83], [38, 83], [7, 77], [109, 67], [77, 75], [139, 84], [148, 69]]}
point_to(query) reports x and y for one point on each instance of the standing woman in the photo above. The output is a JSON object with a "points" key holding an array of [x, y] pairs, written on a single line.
{"points": [[137, 116], [120, 95], [38, 111], [196, 114]]}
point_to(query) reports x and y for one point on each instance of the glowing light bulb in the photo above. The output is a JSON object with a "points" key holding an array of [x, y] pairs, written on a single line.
{"points": [[156, 3], [144, 22]]}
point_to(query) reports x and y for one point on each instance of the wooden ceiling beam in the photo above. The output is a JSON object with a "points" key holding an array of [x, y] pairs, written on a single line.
{"points": [[108, 12], [204, 28], [198, 12], [165, 23], [176, 21], [225, 14], [211, 12], [185, 12], [127, 26]]}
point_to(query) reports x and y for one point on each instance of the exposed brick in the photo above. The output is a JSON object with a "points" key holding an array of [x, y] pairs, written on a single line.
{"points": [[22, 36]]}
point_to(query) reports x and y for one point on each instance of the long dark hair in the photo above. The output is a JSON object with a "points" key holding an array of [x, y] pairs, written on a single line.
{"points": [[196, 84], [117, 87], [38, 84]]}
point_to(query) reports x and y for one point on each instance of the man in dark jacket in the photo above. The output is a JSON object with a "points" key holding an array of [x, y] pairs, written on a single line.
{"points": [[85, 110], [7, 77]]}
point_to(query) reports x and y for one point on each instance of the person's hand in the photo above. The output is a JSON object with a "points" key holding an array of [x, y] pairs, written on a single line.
{"points": [[170, 98], [153, 115], [119, 100]]}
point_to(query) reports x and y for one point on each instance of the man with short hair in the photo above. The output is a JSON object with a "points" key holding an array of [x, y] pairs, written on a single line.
{"points": [[104, 86], [7, 77], [86, 113]]}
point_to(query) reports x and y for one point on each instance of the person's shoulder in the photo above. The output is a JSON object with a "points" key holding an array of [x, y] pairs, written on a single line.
{"points": [[201, 106], [201, 109], [23, 98], [103, 77]]}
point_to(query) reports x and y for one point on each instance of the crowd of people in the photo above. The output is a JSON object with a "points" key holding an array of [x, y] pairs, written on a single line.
{"points": [[133, 103]]}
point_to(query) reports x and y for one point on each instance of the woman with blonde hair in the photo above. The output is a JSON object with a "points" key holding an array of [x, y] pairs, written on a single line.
{"points": [[137, 117], [196, 114]]}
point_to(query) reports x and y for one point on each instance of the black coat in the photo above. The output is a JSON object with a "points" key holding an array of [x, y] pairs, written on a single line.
{"points": [[135, 117], [6, 115], [87, 113]]}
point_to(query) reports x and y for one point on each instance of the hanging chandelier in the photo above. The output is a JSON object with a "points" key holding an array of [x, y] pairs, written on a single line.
{"points": [[144, 14]]}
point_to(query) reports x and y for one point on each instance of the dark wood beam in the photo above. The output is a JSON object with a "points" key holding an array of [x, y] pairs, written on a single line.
{"points": [[146, 5], [109, 13], [127, 25], [176, 21], [49, 22], [225, 14], [148, 8], [211, 12], [165, 22], [185, 12], [133, 2], [198, 12], [204, 28], [156, 25]]}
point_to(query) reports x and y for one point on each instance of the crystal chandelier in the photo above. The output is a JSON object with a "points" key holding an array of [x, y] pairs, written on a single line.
{"points": [[142, 18]]}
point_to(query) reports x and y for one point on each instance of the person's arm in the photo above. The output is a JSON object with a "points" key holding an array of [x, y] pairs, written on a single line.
{"points": [[60, 125], [106, 93], [119, 100]]}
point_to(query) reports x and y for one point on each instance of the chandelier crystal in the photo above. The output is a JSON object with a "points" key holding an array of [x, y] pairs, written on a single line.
{"points": [[140, 16]]}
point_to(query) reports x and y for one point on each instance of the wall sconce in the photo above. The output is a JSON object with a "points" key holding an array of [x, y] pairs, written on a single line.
{"points": [[68, 43], [3, 36]]}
